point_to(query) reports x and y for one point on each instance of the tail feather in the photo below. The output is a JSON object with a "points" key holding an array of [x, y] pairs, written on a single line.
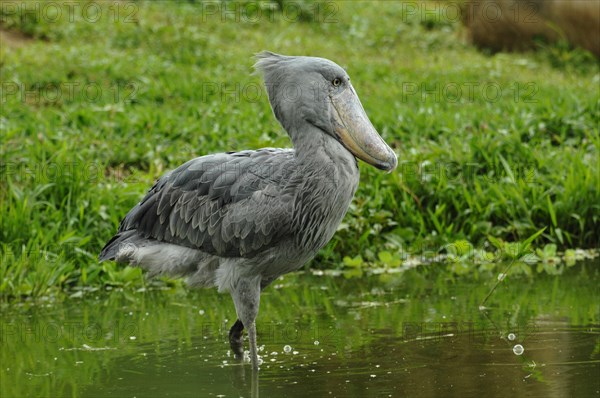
{"points": [[112, 248], [161, 258]]}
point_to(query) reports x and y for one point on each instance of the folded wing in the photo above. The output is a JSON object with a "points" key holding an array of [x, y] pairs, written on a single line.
{"points": [[229, 204]]}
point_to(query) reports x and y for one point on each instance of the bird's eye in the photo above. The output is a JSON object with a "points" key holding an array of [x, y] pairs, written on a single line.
{"points": [[336, 82]]}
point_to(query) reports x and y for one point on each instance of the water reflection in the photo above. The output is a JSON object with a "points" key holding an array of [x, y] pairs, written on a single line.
{"points": [[415, 334]]}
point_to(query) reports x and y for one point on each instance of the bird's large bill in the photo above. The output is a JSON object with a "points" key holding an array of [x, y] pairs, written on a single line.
{"points": [[357, 134]]}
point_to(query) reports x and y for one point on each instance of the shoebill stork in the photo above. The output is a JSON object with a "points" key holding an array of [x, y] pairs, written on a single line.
{"points": [[239, 220]]}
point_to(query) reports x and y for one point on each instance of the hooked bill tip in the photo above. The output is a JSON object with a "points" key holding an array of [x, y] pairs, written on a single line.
{"points": [[389, 165]]}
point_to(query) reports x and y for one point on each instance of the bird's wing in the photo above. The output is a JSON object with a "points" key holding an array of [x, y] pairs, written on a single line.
{"points": [[228, 204]]}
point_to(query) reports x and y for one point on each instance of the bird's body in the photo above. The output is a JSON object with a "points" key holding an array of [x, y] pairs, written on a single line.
{"points": [[239, 220], [263, 211]]}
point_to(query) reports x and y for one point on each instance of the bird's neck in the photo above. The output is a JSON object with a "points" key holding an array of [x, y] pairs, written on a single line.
{"points": [[316, 148], [329, 176]]}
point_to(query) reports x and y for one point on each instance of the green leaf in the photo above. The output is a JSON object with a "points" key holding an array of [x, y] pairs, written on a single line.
{"points": [[385, 257], [559, 235], [496, 242], [570, 257], [550, 250], [507, 168], [528, 241], [462, 247], [513, 249], [551, 211], [355, 262]]}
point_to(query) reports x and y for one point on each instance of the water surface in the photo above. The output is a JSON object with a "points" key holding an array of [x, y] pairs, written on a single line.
{"points": [[410, 334]]}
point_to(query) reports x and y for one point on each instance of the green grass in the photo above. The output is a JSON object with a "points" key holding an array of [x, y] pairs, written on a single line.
{"points": [[93, 113]]}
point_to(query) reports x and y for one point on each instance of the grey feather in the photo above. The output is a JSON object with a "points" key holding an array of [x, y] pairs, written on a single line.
{"points": [[190, 205]]}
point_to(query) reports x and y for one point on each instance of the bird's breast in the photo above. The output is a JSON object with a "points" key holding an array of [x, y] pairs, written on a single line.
{"points": [[321, 203]]}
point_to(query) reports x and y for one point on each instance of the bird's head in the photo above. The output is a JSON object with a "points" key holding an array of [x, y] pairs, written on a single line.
{"points": [[318, 92]]}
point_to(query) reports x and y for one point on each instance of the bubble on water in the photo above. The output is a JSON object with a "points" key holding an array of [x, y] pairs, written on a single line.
{"points": [[287, 349], [316, 342], [511, 336], [518, 349]]}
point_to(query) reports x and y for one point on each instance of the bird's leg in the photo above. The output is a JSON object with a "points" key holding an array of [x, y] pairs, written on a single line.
{"points": [[246, 297], [253, 348], [235, 339]]}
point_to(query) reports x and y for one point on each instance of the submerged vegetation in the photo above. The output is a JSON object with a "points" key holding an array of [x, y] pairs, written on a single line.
{"points": [[492, 150]]}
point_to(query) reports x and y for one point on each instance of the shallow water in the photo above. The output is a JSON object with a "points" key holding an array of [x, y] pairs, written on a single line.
{"points": [[410, 334]]}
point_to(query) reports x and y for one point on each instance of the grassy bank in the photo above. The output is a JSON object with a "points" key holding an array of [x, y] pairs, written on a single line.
{"points": [[95, 107]]}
